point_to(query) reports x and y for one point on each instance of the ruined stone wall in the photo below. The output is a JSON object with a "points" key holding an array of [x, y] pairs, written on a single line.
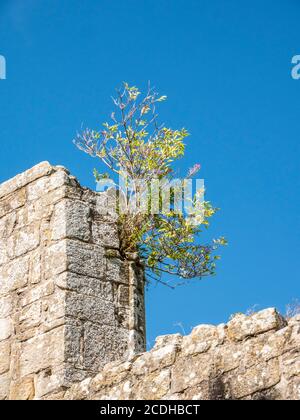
{"points": [[252, 358], [72, 312], [68, 302]]}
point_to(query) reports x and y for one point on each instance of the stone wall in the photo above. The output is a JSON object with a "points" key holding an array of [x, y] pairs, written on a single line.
{"points": [[72, 323], [253, 357], [69, 303]]}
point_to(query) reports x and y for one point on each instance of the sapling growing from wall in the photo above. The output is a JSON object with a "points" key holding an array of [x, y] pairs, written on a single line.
{"points": [[137, 147]]}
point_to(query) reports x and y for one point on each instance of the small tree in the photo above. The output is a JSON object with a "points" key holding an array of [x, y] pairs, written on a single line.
{"points": [[135, 144]]}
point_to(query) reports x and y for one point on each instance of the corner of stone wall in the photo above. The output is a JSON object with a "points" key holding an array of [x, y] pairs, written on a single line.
{"points": [[68, 302]]}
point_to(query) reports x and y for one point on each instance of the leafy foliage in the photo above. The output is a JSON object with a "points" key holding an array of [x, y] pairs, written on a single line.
{"points": [[136, 145]]}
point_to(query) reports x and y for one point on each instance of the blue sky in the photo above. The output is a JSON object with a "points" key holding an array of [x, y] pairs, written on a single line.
{"points": [[226, 68]]}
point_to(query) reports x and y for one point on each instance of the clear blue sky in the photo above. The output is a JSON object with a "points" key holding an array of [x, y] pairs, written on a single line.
{"points": [[226, 68]]}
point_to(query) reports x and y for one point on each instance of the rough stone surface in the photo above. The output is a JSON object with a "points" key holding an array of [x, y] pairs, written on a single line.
{"points": [[66, 307], [72, 322], [212, 363]]}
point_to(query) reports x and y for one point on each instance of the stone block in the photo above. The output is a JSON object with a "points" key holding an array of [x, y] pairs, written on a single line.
{"points": [[244, 382], [6, 306], [35, 267], [85, 259], [116, 270], [191, 371], [123, 295], [157, 359], [152, 386], [23, 241], [89, 308], [198, 392], [85, 285], [74, 343], [242, 326], [4, 386], [42, 352], [101, 344], [36, 292], [30, 316], [106, 234], [4, 356], [49, 380], [137, 342], [14, 275], [19, 181], [44, 185], [12, 202], [53, 310], [22, 389], [6, 328], [291, 364], [55, 259], [80, 391], [7, 225], [165, 340], [71, 220], [112, 374], [3, 254]]}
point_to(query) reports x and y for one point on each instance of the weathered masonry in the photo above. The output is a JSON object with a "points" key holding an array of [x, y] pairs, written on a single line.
{"points": [[72, 323], [253, 357], [68, 302]]}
